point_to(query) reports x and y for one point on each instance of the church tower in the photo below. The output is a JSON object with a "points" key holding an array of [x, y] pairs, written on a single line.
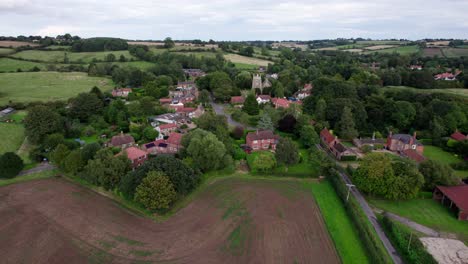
{"points": [[257, 83]]}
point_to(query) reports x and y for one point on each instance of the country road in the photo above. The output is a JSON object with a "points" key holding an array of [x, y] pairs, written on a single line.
{"points": [[44, 166]]}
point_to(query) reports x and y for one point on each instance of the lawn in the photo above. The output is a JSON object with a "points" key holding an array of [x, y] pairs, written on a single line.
{"points": [[34, 176], [5, 51], [47, 86], [339, 225], [77, 57], [18, 116], [143, 65], [426, 212], [403, 50], [245, 66], [12, 65], [12, 135], [236, 58], [445, 157]]}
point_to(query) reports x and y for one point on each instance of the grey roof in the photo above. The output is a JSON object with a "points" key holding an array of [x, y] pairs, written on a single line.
{"points": [[405, 138], [340, 147]]}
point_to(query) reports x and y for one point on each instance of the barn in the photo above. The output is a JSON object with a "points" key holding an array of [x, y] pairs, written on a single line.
{"points": [[455, 198]]}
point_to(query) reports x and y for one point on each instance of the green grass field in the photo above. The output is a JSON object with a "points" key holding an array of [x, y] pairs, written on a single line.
{"points": [[12, 135], [47, 86], [137, 64], [381, 42], [34, 176], [403, 50], [451, 91], [236, 58], [57, 47], [426, 212], [455, 52], [12, 65], [76, 57], [5, 51], [445, 157], [339, 225]]}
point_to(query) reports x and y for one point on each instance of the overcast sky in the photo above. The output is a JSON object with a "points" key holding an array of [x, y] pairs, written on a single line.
{"points": [[236, 19]]}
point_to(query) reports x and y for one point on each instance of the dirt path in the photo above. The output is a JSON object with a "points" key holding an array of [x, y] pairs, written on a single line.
{"points": [[44, 166], [418, 227], [233, 221]]}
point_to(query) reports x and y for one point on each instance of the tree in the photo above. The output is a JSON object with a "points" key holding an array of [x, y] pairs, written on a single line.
{"points": [[263, 162], [110, 57], [149, 133], [168, 43], [85, 105], [321, 110], [156, 191], [287, 123], [206, 150], [73, 162], [106, 170], [59, 154], [265, 123], [243, 80], [437, 130], [52, 141], [251, 105], [346, 126], [309, 136], [122, 58], [10, 165], [287, 152], [89, 151], [204, 97], [238, 132], [41, 121], [437, 173]]}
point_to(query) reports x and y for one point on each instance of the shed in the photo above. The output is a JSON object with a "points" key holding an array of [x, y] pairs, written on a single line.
{"points": [[455, 198]]}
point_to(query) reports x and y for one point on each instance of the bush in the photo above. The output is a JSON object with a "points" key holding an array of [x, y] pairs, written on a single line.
{"points": [[156, 191], [348, 158], [262, 161], [400, 237], [10, 165]]}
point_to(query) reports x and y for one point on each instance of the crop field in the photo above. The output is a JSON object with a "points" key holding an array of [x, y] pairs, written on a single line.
{"points": [[5, 51], [76, 57], [379, 47], [455, 52], [47, 86], [381, 42], [12, 135], [432, 52], [235, 58], [15, 44], [403, 50], [233, 220], [12, 65]]}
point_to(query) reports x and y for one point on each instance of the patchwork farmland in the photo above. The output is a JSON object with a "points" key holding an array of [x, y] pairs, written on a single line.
{"points": [[233, 221]]}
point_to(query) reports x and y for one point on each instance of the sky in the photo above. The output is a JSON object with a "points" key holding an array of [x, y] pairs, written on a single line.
{"points": [[236, 19]]}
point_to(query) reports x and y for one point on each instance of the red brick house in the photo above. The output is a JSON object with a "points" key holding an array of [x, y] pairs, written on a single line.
{"points": [[458, 136], [122, 141], [122, 92], [334, 145], [136, 156], [166, 129], [171, 145], [165, 101], [280, 103], [262, 140], [455, 198], [237, 100], [400, 142]]}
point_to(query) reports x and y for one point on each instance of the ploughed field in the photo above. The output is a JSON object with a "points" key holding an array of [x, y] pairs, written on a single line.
{"points": [[233, 220]]}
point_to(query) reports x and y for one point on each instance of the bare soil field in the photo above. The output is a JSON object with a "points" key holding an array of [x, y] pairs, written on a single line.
{"points": [[431, 52], [15, 44], [232, 220]]}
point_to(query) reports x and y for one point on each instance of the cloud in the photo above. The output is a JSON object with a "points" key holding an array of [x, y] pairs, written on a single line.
{"points": [[237, 19]]}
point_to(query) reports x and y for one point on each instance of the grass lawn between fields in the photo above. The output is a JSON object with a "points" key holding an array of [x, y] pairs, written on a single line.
{"points": [[426, 212], [29, 177], [55, 56], [436, 153], [339, 225], [12, 135], [47, 86]]}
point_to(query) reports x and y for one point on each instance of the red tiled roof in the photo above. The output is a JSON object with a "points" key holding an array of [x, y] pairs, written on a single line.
{"points": [[185, 109], [237, 100], [280, 102], [458, 136], [413, 155], [174, 138], [261, 135], [325, 134], [265, 97], [134, 153], [458, 195], [167, 126], [165, 100], [121, 139], [308, 86]]}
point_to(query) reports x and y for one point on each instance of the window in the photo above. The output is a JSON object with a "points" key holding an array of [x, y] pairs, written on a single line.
{"points": [[413, 147]]}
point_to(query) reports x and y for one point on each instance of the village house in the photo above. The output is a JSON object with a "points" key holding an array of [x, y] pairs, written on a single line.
{"points": [[237, 101], [263, 99], [122, 141], [304, 92], [262, 140], [121, 92], [458, 136], [165, 101], [334, 145], [136, 156], [447, 76], [455, 198], [406, 145], [166, 129], [283, 102], [171, 145], [194, 73]]}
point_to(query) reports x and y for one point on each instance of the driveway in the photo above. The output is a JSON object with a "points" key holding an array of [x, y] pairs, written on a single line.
{"points": [[219, 110]]}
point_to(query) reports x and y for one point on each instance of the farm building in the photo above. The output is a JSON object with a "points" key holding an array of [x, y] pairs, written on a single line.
{"points": [[334, 145], [455, 198]]}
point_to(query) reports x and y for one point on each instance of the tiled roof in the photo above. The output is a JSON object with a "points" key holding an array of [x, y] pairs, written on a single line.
{"points": [[167, 126], [327, 135], [413, 155], [134, 153], [174, 138], [237, 100], [121, 139], [280, 102], [405, 138], [458, 136], [458, 195], [260, 135]]}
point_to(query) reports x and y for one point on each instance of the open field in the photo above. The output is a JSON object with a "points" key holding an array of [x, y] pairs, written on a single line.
{"points": [[233, 220], [379, 47], [426, 212], [445, 157], [381, 42], [75, 57], [339, 225], [12, 65], [5, 51], [432, 52], [15, 44], [452, 91], [235, 58], [12, 136], [455, 52], [57, 47], [47, 86], [403, 50]]}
